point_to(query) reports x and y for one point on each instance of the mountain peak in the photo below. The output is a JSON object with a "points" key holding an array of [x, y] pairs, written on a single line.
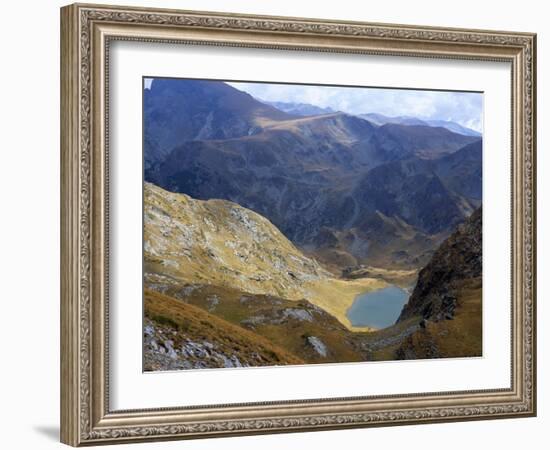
{"points": [[184, 110], [300, 109]]}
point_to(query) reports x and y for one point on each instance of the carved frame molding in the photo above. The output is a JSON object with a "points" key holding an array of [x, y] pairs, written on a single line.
{"points": [[86, 32]]}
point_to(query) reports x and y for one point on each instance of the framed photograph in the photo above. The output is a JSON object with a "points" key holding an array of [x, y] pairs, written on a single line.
{"points": [[275, 224]]}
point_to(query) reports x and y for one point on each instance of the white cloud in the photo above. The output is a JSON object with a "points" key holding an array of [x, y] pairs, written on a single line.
{"points": [[464, 108]]}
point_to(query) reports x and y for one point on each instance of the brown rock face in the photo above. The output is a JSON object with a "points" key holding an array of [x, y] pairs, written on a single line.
{"points": [[458, 258]]}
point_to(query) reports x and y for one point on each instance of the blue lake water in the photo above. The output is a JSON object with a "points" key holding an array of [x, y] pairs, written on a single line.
{"points": [[377, 309]]}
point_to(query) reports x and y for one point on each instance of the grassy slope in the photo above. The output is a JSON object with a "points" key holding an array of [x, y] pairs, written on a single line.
{"points": [[181, 321], [269, 317], [459, 337], [219, 243], [245, 325]]}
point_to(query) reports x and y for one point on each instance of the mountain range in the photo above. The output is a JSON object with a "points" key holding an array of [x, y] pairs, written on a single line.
{"points": [[307, 109], [380, 119], [300, 109], [343, 188]]}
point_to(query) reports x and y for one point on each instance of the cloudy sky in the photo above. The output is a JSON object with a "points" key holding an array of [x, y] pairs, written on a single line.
{"points": [[462, 107]]}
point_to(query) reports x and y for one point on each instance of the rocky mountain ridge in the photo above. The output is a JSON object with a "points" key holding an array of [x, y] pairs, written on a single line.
{"points": [[380, 119], [457, 259]]}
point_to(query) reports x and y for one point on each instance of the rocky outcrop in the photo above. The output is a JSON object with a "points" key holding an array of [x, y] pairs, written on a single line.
{"points": [[190, 354], [219, 242], [318, 345], [179, 336], [458, 258]]}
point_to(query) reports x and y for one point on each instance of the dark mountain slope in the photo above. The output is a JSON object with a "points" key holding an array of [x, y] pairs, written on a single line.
{"points": [[394, 216], [294, 172], [458, 258], [411, 190], [425, 141], [177, 111], [377, 240], [461, 171]]}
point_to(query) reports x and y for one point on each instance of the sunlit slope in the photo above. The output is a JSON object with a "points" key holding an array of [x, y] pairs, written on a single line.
{"points": [[181, 336], [217, 242]]}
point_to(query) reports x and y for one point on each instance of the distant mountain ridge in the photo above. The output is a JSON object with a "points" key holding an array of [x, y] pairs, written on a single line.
{"points": [[380, 119], [308, 109], [332, 183], [300, 109]]}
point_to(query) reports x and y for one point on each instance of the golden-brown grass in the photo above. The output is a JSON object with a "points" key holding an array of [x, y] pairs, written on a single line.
{"points": [[459, 337], [219, 243], [265, 315], [192, 322], [336, 296]]}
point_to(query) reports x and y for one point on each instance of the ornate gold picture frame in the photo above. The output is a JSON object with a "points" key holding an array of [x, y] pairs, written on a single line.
{"points": [[87, 32]]}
